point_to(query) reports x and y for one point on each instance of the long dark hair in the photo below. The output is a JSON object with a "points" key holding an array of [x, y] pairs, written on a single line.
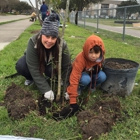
{"points": [[44, 53]]}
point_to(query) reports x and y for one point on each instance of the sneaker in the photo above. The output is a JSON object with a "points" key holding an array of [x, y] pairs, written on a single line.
{"points": [[92, 89], [28, 82]]}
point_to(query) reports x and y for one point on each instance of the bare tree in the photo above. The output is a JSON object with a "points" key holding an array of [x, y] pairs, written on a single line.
{"points": [[37, 11], [60, 53]]}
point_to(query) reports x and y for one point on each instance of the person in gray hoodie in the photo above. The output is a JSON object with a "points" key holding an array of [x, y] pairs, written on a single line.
{"points": [[40, 60]]}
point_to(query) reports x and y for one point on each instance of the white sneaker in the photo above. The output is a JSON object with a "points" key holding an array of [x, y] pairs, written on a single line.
{"points": [[28, 82]]}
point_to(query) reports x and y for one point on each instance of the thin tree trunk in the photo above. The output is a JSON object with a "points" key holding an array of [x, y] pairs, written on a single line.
{"points": [[37, 11], [60, 53]]}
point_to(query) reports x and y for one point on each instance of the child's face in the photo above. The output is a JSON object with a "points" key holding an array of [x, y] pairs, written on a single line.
{"points": [[93, 56]]}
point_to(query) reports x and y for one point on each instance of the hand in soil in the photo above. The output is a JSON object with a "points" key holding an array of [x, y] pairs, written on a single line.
{"points": [[66, 112]]}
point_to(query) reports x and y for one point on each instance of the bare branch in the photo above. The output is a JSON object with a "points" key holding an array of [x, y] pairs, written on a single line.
{"points": [[60, 53]]}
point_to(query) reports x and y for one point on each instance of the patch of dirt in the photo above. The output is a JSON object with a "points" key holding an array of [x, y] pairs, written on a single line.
{"points": [[35, 32], [42, 104], [2, 104], [79, 37], [118, 65], [33, 130], [18, 102], [100, 118]]}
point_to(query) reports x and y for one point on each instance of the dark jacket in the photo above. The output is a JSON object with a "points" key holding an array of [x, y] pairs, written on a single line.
{"points": [[44, 8], [57, 16], [33, 65]]}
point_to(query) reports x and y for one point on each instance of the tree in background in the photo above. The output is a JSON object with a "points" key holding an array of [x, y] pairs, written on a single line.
{"points": [[9, 5], [3, 5], [130, 10], [77, 4], [22, 7]]}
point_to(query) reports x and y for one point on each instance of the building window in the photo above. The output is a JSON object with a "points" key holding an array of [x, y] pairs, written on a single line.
{"points": [[103, 10]]}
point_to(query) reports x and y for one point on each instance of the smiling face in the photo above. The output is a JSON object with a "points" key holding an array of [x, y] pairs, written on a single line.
{"points": [[93, 56], [48, 41]]}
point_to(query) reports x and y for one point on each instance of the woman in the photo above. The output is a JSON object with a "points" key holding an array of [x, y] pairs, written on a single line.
{"points": [[41, 58]]}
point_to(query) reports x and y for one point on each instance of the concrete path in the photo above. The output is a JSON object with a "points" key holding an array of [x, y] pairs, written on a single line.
{"points": [[12, 17], [11, 31]]}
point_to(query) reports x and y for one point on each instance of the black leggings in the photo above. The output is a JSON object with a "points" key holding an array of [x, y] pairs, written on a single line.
{"points": [[22, 68]]}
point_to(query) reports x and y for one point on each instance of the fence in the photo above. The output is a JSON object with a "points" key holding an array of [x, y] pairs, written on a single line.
{"points": [[124, 20]]}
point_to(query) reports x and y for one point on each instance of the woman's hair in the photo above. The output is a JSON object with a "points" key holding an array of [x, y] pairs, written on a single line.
{"points": [[44, 53]]}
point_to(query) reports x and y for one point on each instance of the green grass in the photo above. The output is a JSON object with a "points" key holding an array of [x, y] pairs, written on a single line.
{"points": [[127, 129], [110, 22], [128, 40], [12, 21]]}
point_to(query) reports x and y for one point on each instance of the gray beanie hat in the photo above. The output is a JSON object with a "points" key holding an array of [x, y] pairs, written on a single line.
{"points": [[50, 26]]}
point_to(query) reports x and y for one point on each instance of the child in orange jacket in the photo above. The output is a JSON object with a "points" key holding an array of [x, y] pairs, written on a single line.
{"points": [[86, 72], [86, 68]]}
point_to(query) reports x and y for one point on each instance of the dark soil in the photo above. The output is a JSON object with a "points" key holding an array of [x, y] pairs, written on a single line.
{"points": [[117, 65], [100, 118], [18, 102], [35, 32], [120, 76]]}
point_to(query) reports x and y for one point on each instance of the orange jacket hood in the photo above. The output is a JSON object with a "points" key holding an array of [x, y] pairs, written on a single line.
{"points": [[82, 63], [92, 41]]}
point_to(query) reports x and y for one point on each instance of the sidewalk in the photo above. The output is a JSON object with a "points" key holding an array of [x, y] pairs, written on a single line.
{"points": [[11, 31], [13, 17]]}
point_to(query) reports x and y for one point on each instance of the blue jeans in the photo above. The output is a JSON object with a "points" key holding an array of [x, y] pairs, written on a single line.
{"points": [[86, 79], [43, 15]]}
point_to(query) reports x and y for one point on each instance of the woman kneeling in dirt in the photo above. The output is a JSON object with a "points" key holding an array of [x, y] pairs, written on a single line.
{"points": [[41, 58]]}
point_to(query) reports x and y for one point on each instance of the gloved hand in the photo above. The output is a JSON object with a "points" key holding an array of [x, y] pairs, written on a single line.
{"points": [[66, 112], [49, 95], [66, 95], [75, 108]]}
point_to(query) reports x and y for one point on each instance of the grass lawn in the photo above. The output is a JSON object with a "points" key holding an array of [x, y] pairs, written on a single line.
{"points": [[110, 22], [46, 128]]}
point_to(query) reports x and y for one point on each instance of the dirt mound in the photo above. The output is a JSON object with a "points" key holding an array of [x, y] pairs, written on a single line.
{"points": [[18, 102], [100, 117], [35, 32]]}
